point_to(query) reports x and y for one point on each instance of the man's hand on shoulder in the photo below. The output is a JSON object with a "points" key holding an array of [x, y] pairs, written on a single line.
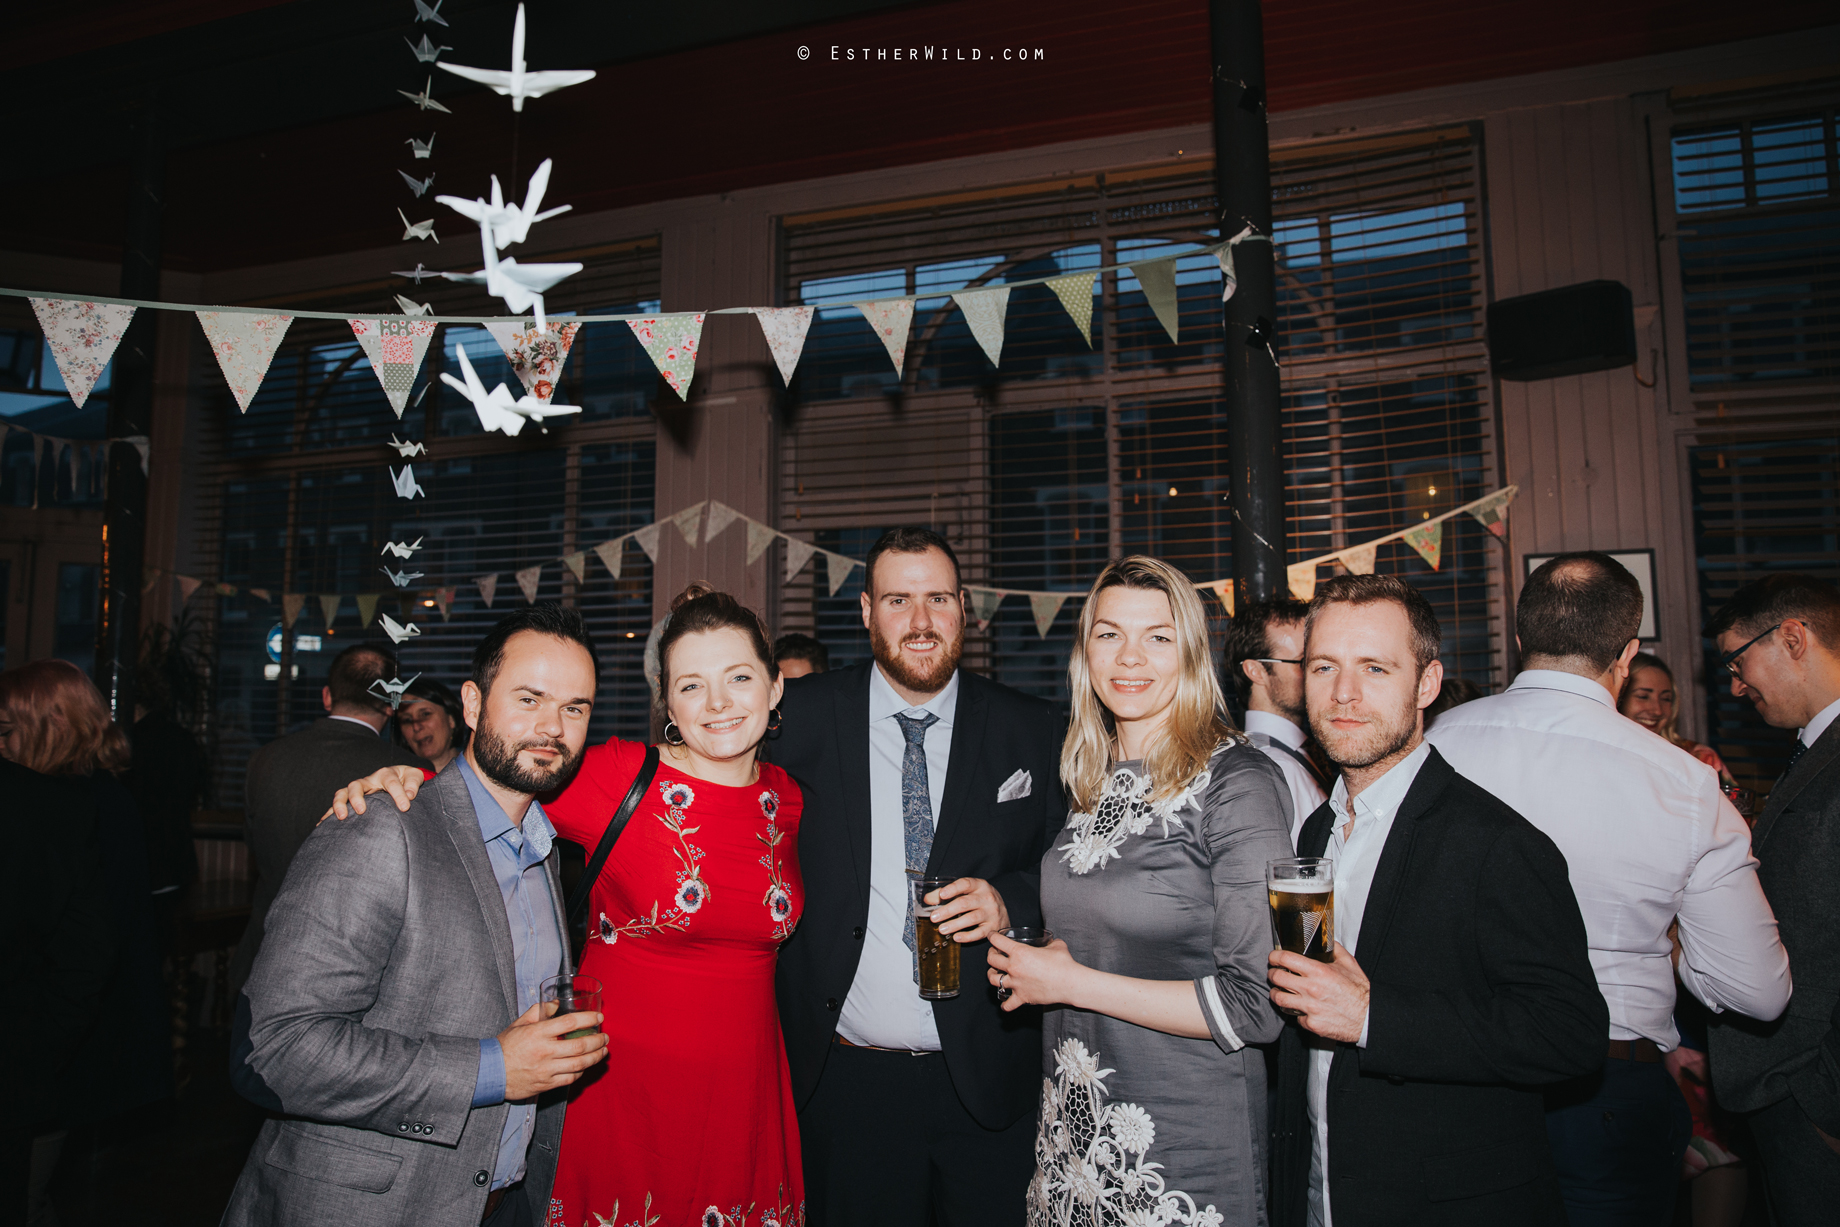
{"points": [[539, 1059]]}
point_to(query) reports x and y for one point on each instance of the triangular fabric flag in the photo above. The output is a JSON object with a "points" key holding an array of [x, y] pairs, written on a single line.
{"points": [[1224, 590], [721, 515], [687, 521], [224, 589], [891, 320], [610, 553], [798, 553], [261, 592], [367, 608], [488, 588], [578, 563], [537, 358], [1428, 540], [1229, 276], [1046, 606], [647, 538], [187, 586], [245, 344], [527, 581], [1492, 512], [291, 605], [1359, 559], [984, 602], [839, 569], [984, 311], [395, 348], [759, 538], [444, 601], [1076, 294], [82, 337], [1300, 578], [329, 608], [670, 341], [1158, 279], [785, 329]]}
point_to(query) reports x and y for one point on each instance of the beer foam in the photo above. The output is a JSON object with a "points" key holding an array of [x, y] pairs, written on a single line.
{"points": [[1303, 886]]}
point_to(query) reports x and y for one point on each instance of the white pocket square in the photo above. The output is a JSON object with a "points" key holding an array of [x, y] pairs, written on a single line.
{"points": [[1016, 787]]}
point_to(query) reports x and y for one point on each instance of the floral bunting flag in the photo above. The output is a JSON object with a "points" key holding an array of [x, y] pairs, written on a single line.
{"points": [[610, 554], [687, 521], [1359, 559], [578, 563], [984, 602], [721, 515], [1046, 606], [1076, 294], [670, 341], [984, 311], [260, 592], [1428, 540], [291, 605], [488, 588], [367, 608], [798, 553], [839, 568], [891, 320], [1224, 590], [1492, 512], [395, 348], [1158, 279], [224, 589], [82, 337], [527, 581], [759, 538], [647, 538], [785, 329], [537, 358], [444, 601], [329, 608], [1300, 578], [187, 586], [245, 343]]}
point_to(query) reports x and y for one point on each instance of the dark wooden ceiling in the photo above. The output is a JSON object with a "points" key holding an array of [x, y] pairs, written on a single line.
{"points": [[285, 133]]}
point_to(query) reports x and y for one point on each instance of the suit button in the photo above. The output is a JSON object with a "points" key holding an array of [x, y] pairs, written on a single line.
{"points": [[403, 1128], [831, 1004], [857, 933], [481, 1176]]}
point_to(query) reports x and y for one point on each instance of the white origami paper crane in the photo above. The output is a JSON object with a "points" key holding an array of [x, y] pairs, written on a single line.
{"points": [[387, 689], [405, 483], [418, 272], [418, 230], [402, 549], [520, 83], [406, 450], [410, 307], [401, 578], [427, 52], [422, 149], [418, 186], [422, 99], [497, 409], [425, 12], [521, 286]]}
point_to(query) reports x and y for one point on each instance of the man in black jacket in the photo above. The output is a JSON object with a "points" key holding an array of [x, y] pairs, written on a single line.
{"points": [[1407, 1086], [913, 1111]]}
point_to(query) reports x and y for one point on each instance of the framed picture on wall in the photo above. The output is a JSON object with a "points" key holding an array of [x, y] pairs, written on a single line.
{"points": [[1639, 563]]}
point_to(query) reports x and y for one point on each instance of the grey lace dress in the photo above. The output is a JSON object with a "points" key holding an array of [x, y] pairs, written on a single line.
{"points": [[1138, 1126]]}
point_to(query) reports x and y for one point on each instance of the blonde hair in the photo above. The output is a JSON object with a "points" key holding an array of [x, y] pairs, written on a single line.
{"points": [[61, 724], [1197, 726]]}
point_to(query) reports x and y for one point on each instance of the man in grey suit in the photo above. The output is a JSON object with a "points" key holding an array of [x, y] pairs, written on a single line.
{"points": [[1780, 639], [291, 777], [392, 1017]]}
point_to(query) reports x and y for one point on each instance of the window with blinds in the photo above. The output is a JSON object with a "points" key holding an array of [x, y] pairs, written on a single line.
{"points": [[1067, 455], [33, 398], [298, 498], [1759, 507]]}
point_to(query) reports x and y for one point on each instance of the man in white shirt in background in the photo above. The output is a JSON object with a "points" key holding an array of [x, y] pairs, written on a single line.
{"points": [[1265, 667], [1648, 838]]}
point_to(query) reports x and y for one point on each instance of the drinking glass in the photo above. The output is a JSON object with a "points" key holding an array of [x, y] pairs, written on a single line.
{"points": [[1302, 890], [573, 994], [1028, 935], [938, 952]]}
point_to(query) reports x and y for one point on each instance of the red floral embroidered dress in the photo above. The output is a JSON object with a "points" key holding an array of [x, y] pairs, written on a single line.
{"points": [[689, 1121]]}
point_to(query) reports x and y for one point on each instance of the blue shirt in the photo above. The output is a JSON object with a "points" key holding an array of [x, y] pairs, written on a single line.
{"points": [[517, 858]]}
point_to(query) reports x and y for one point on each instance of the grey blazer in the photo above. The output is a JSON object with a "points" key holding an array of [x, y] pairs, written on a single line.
{"points": [[1797, 845], [388, 958]]}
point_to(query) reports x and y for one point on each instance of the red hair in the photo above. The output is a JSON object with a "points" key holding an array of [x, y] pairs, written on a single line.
{"points": [[60, 724]]}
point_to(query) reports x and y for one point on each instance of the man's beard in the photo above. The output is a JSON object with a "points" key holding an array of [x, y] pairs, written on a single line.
{"points": [[498, 759], [903, 671], [1377, 741]]}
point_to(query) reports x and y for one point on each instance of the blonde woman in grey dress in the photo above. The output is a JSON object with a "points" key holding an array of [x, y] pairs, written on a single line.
{"points": [[1153, 1105]]}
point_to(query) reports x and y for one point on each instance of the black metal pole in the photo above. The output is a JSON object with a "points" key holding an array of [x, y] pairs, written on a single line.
{"points": [[124, 514], [1242, 179]]}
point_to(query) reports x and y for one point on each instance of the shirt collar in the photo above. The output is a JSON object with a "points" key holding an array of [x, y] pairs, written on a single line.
{"points": [[494, 823], [366, 726], [1278, 728], [1384, 796], [1811, 733], [1571, 683], [885, 702]]}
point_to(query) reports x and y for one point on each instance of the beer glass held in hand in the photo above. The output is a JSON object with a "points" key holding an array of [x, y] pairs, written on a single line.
{"points": [[1302, 890], [938, 953], [575, 994]]}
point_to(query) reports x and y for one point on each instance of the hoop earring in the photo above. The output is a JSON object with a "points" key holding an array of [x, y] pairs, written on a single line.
{"points": [[673, 736], [775, 719]]}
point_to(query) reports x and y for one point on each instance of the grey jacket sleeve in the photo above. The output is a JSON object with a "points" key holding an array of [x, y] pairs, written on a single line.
{"points": [[330, 936], [1245, 821]]}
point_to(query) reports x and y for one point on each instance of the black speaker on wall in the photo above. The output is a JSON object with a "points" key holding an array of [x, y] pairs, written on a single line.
{"points": [[1567, 331]]}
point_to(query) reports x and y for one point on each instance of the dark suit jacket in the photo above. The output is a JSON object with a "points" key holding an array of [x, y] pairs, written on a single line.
{"points": [[290, 784], [1797, 844], [994, 1058], [1480, 989]]}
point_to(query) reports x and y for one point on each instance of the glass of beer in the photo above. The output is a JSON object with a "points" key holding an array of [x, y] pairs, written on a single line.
{"points": [[572, 995], [938, 953], [1302, 890]]}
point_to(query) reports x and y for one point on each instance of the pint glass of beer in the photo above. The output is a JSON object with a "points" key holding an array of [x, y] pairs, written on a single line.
{"points": [[938, 954], [1302, 890]]}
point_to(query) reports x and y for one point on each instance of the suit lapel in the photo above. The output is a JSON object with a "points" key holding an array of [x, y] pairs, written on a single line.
{"points": [[463, 828], [967, 738], [1817, 758], [1390, 872], [852, 730]]}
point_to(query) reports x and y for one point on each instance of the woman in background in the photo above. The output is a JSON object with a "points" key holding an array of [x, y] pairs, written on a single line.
{"points": [[1649, 699], [430, 723]]}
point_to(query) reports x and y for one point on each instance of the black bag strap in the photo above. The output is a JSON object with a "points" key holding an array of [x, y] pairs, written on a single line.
{"points": [[578, 898]]}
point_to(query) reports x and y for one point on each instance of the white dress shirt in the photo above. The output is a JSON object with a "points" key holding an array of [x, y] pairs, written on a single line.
{"points": [[884, 1007], [1306, 793], [1811, 732], [1356, 855], [1647, 837]]}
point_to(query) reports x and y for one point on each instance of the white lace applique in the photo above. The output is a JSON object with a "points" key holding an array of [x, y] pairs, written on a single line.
{"points": [[1124, 809], [1092, 1164]]}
